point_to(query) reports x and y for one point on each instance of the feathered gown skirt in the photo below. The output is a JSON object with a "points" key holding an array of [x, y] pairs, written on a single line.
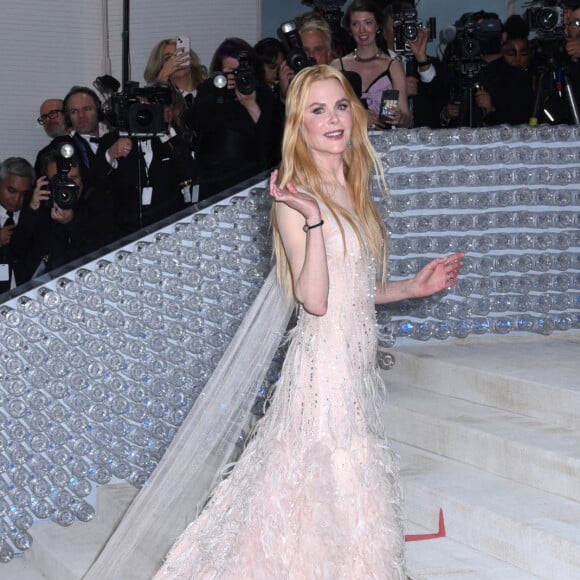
{"points": [[315, 493]]}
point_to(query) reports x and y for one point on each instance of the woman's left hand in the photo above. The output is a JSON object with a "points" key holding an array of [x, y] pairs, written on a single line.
{"points": [[437, 275]]}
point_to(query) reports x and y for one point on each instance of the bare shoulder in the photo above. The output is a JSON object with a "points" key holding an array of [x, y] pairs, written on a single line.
{"points": [[335, 63], [394, 64], [347, 61]]}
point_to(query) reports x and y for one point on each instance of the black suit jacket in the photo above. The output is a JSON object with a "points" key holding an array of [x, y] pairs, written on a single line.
{"points": [[39, 239], [172, 164]]}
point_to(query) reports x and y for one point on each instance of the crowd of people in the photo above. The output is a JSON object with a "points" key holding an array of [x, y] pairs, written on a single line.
{"points": [[223, 123]]}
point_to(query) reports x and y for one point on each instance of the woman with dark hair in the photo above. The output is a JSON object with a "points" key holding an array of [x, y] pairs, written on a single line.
{"points": [[376, 68], [237, 126], [270, 53], [315, 492]]}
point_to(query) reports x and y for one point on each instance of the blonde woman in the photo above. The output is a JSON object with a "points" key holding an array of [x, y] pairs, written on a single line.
{"points": [[315, 493], [184, 72]]}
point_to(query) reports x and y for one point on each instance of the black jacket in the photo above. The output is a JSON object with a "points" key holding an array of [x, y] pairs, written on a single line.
{"points": [[172, 165], [39, 241], [230, 146]]}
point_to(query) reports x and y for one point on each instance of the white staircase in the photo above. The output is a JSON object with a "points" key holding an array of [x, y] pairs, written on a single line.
{"points": [[489, 430], [66, 553]]}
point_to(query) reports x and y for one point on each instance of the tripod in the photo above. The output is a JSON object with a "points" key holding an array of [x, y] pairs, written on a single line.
{"points": [[555, 98], [470, 114]]}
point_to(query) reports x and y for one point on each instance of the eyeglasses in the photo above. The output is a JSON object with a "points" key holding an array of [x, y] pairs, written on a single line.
{"points": [[50, 115]]}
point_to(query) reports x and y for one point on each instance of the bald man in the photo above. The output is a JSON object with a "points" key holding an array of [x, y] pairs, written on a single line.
{"points": [[52, 118]]}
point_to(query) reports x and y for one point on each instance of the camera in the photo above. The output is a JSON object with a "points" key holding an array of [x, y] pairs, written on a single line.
{"points": [[405, 27], [138, 111], [295, 55], [245, 76], [63, 191], [476, 38], [545, 19]]}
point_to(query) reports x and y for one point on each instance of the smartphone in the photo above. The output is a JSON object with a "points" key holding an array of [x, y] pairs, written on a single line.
{"points": [[183, 45], [389, 101]]}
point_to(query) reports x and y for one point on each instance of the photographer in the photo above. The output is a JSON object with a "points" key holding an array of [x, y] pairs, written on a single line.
{"points": [[270, 54], [572, 47], [505, 95], [48, 235], [425, 84], [474, 45], [238, 123], [16, 180], [149, 172]]}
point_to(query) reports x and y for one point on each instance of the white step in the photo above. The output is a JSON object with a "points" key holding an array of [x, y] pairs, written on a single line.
{"points": [[527, 528], [21, 569], [511, 445], [447, 559], [59, 553], [537, 376]]}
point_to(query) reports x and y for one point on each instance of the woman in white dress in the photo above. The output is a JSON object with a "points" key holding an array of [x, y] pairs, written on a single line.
{"points": [[315, 492]]}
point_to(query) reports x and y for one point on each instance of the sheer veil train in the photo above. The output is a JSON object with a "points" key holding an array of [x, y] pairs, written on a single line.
{"points": [[205, 442]]}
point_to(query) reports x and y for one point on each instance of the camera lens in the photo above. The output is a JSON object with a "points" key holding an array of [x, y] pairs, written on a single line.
{"points": [[297, 60], [144, 117], [547, 19], [64, 198], [410, 31], [245, 80]]}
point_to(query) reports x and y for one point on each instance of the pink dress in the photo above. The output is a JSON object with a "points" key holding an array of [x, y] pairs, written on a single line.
{"points": [[315, 493], [374, 92]]}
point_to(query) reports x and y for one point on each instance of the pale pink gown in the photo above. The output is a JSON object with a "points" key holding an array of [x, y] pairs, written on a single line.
{"points": [[315, 493]]}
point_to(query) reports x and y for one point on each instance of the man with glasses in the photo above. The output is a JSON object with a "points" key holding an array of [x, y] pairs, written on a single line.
{"points": [[54, 124], [52, 118]]}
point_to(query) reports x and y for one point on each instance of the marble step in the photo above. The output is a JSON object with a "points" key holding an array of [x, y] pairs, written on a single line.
{"points": [[447, 559], [21, 569], [537, 376], [66, 553], [507, 444], [527, 528]]}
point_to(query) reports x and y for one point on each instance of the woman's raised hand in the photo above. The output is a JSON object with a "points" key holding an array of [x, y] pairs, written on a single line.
{"points": [[297, 200]]}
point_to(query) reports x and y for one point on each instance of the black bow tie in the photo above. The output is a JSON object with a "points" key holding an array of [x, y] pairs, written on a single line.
{"points": [[94, 140]]}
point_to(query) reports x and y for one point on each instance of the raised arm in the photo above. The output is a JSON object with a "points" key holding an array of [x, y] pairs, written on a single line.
{"points": [[305, 250], [437, 275]]}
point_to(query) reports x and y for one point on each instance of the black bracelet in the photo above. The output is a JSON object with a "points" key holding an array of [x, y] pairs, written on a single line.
{"points": [[423, 63], [307, 228]]}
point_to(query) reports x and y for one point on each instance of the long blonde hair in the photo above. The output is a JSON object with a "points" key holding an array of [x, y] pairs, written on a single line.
{"points": [[360, 161], [155, 64]]}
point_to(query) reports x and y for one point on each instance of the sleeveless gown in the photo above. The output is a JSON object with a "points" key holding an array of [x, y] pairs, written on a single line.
{"points": [[315, 493], [373, 94]]}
